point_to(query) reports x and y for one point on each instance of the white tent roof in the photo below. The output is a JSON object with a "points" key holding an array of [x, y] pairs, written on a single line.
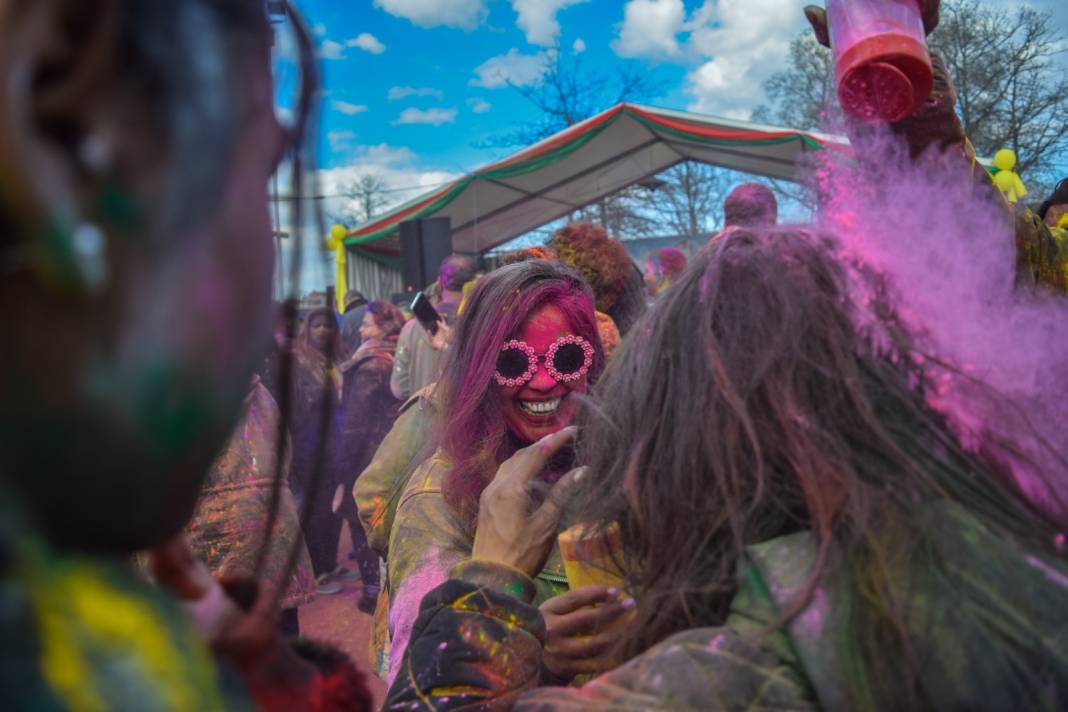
{"points": [[586, 162]]}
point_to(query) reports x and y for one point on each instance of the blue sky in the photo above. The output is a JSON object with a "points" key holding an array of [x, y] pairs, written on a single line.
{"points": [[417, 88]]}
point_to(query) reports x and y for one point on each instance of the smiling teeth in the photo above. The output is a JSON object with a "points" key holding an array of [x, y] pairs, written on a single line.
{"points": [[540, 407]]}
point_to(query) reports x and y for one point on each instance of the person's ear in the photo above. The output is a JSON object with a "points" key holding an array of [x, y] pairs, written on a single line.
{"points": [[55, 59], [817, 17]]}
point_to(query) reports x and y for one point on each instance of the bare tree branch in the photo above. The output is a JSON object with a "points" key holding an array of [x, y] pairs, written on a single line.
{"points": [[1012, 84]]}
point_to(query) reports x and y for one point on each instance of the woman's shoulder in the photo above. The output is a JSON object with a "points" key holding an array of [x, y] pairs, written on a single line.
{"points": [[696, 669], [427, 479]]}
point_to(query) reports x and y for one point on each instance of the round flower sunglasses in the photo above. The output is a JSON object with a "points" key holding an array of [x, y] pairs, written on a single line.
{"points": [[567, 360]]}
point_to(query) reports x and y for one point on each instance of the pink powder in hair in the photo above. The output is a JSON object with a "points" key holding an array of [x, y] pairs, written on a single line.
{"points": [[994, 353]]}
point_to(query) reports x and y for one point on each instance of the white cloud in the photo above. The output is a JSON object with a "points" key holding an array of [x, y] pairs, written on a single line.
{"points": [[462, 14], [349, 109], [319, 29], [340, 141], [732, 46], [513, 68], [330, 49], [396, 166], [743, 42], [386, 155], [479, 106], [367, 42], [537, 19], [398, 93], [579, 46], [433, 117], [650, 28]]}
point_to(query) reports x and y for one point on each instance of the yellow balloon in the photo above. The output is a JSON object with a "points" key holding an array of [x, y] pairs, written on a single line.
{"points": [[339, 232], [1005, 160]]}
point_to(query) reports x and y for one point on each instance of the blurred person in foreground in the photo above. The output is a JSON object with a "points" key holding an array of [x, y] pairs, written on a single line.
{"points": [[369, 411], [136, 144], [419, 357], [799, 530]]}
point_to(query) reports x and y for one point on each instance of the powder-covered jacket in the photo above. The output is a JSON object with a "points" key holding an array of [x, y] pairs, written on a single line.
{"points": [[477, 644], [229, 527], [379, 487], [427, 540]]}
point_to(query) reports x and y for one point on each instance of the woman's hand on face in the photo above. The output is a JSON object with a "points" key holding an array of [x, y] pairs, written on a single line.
{"points": [[511, 531], [579, 631]]}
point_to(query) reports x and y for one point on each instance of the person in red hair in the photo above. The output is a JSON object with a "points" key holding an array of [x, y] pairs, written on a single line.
{"points": [[663, 268]]}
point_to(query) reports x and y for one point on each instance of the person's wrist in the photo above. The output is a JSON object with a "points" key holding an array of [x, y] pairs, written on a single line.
{"points": [[496, 576]]}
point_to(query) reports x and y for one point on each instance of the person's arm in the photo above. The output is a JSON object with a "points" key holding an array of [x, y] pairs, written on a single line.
{"points": [[426, 542], [477, 644], [238, 618], [401, 380], [379, 486]]}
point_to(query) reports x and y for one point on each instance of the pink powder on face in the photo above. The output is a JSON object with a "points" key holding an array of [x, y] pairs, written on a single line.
{"points": [[540, 332], [993, 354]]}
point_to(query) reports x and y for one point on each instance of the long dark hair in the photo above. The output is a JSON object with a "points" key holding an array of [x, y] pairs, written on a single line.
{"points": [[472, 430], [746, 405], [307, 351]]}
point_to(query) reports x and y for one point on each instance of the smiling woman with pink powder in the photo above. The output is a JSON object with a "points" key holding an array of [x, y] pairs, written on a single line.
{"points": [[524, 352]]}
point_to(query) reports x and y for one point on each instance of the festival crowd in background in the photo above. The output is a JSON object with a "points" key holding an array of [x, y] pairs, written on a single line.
{"points": [[723, 480]]}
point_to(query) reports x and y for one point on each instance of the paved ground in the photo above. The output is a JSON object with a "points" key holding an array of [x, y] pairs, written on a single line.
{"points": [[336, 619]]}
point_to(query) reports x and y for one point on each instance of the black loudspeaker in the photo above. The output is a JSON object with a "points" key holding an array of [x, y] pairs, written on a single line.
{"points": [[425, 244]]}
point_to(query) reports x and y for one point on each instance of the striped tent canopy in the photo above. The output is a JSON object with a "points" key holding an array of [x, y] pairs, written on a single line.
{"points": [[584, 163]]}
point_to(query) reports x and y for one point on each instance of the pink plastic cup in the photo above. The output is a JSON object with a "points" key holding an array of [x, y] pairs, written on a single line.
{"points": [[882, 67]]}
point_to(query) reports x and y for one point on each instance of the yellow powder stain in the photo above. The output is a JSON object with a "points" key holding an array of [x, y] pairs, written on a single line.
{"points": [[81, 615]]}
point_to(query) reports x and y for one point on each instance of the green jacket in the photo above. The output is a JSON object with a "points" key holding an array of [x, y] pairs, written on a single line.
{"points": [[426, 542], [378, 488]]}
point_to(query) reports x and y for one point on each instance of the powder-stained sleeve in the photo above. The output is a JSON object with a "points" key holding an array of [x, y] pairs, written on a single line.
{"points": [[426, 542], [379, 488], [475, 647]]}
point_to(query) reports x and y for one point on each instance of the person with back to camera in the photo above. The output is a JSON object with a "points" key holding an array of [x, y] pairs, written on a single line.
{"points": [[750, 205], [798, 529], [137, 138], [419, 358], [351, 321]]}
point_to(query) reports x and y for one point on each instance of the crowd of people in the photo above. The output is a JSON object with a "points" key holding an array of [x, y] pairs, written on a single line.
{"points": [[698, 483]]}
